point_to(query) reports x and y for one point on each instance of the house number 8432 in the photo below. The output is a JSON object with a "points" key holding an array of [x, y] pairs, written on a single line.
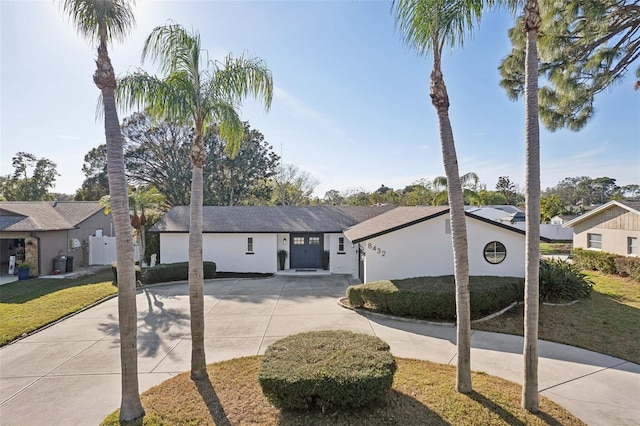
{"points": [[376, 249]]}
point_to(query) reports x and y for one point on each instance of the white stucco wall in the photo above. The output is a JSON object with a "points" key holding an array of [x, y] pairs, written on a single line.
{"points": [[425, 249], [228, 251], [341, 262]]}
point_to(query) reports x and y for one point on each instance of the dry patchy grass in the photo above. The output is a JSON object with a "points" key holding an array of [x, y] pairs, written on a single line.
{"points": [[423, 393], [608, 322], [28, 305]]}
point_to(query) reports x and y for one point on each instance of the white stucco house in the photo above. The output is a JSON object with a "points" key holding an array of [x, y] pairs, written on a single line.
{"points": [[369, 242]]}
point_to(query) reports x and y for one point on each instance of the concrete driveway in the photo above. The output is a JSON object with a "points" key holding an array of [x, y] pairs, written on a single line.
{"points": [[69, 373]]}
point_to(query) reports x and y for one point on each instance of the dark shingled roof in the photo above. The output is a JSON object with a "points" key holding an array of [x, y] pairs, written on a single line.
{"points": [[27, 216], [634, 204], [393, 220], [267, 219], [402, 217]]}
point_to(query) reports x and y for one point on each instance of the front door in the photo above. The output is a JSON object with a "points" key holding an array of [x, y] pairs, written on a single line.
{"points": [[306, 251]]}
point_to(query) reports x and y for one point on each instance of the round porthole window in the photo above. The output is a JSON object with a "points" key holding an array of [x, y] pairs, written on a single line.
{"points": [[495, 252]]}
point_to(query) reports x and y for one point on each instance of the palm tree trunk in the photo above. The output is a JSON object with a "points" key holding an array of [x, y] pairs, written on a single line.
{"points": [[532, 185], [104, 77], [196, 274], [440, 100]]}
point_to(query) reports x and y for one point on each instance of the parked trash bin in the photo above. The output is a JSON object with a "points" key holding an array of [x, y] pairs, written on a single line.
{"points": [[69, 263], [60, 264]]}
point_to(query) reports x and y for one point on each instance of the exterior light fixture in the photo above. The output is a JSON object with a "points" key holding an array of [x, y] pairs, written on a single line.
{"points": [[284, 241]]}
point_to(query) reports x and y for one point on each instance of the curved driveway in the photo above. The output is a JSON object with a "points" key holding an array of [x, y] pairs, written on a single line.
{"points": [[69, 373]]}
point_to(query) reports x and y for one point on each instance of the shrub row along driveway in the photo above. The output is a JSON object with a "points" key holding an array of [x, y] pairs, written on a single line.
{"points": [[69, 372]]}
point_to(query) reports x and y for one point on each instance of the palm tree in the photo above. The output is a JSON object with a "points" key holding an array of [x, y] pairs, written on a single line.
{"points": [[429, 25], [201, 97], [469, 182], [531, 24], [101, 21]]}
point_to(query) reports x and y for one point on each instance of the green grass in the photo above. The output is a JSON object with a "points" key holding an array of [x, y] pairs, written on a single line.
{"points": [[555, 248], [28, 305], [423, 393], [608, 322]]}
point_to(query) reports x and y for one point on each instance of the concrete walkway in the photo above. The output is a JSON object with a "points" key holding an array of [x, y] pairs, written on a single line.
{"points": [[69, 373]]}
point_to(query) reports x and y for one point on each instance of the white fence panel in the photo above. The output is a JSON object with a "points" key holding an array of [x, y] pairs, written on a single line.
{"points": [[102, 250]]}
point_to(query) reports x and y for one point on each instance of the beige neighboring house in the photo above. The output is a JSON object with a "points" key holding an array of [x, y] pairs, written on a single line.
{"points": [[36, 232], [613, 227]]}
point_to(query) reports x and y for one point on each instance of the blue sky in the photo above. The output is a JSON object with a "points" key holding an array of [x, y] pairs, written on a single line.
{"points": [[351, 103]]}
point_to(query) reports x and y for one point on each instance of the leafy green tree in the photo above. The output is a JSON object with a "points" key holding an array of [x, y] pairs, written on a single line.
{"points": [[490, 198], [428, 26], [235, 179], [157, 154], [551, 206], [96, 178], [202, 97], [31, 180], [418, 193], [333, 197], [100, 22], [508, 190], [585, 46], [292, 186]]}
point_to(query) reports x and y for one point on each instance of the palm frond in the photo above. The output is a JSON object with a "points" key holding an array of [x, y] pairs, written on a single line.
{"points": [[173, 49], [237, 78], [420, 21], [230, 125], [163, 98], [100, 20]]}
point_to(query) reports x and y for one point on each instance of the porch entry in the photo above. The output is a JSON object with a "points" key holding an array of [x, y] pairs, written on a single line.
{"points": [[306, 251]]}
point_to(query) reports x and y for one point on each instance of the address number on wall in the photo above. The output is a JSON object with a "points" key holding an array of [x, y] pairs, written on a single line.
{"points": [[377, 250]]}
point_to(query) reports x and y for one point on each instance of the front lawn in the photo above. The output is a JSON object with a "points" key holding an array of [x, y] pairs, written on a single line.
{"points": [[423, 393], [28, 305], [608, 322], [555, 248]]}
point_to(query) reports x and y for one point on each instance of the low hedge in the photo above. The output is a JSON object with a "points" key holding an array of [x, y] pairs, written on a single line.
{"points": [[166, 272], [326, 370], [433, 298], [607, 263]]}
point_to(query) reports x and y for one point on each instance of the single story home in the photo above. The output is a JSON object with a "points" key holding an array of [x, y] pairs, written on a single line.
{"points": [[36, 232], [613, 227], [369, 242]]}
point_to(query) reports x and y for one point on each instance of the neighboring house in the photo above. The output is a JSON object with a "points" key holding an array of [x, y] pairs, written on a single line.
{"points": [[613, 227], [561, 219], [38, 231], [370, 242]]}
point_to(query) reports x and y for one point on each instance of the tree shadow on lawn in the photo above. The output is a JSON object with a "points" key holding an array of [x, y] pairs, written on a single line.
{"points": [[27, 290], [505, 415], [210, 398]]}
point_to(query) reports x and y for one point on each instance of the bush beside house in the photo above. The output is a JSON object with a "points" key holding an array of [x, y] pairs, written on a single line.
{"points": [[607, 263], [433, 298], [166, 272]]}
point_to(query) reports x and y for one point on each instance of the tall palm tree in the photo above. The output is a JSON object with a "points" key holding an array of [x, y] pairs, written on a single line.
{"points": [[202, 94], [429, 25], [101, 21], [531, 24]]}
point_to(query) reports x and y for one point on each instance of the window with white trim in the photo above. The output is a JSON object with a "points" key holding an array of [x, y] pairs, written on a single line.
{"points": [[495, 252], [632, 246], [249, 244], [340, 244], [594, 241]]}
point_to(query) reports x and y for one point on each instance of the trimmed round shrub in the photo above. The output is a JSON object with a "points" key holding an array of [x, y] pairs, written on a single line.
{"points": [[562, 281], [434, 298], [326, 370]]}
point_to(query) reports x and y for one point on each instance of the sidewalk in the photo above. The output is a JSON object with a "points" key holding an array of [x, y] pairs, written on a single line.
{"points": [[69, 373]]}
